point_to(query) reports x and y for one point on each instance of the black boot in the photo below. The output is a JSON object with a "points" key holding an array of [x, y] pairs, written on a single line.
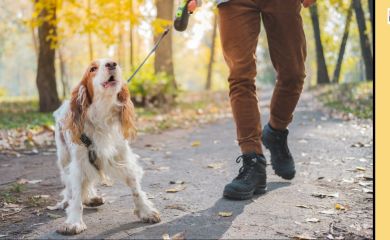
{"points": [[281, 159], [251, 178]]}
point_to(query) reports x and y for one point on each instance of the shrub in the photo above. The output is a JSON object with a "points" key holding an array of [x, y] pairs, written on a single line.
{"points": [[150, 89]]}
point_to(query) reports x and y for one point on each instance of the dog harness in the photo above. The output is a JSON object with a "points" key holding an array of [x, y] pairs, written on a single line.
{"points": [[91, 153]]}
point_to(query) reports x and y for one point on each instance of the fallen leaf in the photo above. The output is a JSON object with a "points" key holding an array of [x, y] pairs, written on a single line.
{"points": [[348, 180], [165, 236], [22, 181], [303, 206], [324, 195], [330, 236], [328, 212], [365, 184], [41, 196], [339, 206], [175, 189], [179, 236], [54, 216], [195, 144], [176, 182], [360, 169], [175, 206], [215, 165], [368, 178], [304, 237], [312, 220], [34, 181], [358, 145], [225, 214], [368, 190]]}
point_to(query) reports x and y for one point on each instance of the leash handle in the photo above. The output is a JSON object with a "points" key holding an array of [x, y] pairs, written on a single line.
{"points": [[166, 31]]}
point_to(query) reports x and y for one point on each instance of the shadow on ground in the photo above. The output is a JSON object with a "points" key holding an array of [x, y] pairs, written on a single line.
{"points": [[205, 224]]}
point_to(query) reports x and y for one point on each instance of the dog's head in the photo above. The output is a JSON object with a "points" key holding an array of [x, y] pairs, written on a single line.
{"points": [[102, 83]]}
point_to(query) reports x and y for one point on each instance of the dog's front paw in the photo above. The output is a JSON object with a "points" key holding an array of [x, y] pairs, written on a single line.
{"points": [[94, 202], [61, 205], [148, 215], [71, 229]]}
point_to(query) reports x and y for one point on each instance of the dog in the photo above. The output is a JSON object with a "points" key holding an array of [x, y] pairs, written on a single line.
{"points": [[92, 134]]}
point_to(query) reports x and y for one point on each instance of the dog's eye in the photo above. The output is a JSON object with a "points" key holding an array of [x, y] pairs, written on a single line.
{"points": [[93, 69]]}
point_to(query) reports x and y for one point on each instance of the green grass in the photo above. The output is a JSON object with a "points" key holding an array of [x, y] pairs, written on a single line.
{"points": [[355, 98], [19, 112], [22, 113]]}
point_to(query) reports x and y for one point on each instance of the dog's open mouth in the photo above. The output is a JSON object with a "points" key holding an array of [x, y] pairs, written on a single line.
{"points": [[110, 82]]}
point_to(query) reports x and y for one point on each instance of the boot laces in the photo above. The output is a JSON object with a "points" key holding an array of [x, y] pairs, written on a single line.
{"points": [[246, 169]]}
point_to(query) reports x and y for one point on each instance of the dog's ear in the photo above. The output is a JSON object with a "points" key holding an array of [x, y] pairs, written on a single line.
{"points": [[127, 114], [80, 100]]}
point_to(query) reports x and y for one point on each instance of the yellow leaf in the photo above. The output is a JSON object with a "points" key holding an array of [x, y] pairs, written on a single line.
{"points": [[195, 144], [215, 165], [175, 189], [339, 206], [225, 214], [360, 169]]}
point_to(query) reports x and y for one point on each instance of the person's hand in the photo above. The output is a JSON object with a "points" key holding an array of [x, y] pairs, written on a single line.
{"points": [[193, 4], [308, 3]]}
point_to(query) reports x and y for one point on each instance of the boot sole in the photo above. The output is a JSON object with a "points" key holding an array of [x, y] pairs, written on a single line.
{"points": [[244, 195]]}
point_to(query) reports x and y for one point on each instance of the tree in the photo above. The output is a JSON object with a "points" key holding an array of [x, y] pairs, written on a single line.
{"points": [[336, 73], [163, 62], [212, 53], [372, 15], [322, 70], [46, 74], [364, 41]]}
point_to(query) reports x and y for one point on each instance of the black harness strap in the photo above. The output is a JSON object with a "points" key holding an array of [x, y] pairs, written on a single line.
{"points": [[91, 153]]}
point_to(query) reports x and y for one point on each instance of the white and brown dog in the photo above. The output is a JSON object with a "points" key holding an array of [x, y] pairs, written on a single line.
{"points": [[92, 135]]}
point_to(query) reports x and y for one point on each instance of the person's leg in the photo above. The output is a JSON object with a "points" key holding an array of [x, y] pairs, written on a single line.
{"points": [[287, 46], [239, 25]]}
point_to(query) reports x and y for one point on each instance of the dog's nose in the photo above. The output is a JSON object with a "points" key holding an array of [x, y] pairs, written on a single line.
{"points": [[111, 65]]}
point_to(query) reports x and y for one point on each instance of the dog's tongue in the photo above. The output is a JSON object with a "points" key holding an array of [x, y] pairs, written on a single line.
{"points": [[108, 84]]}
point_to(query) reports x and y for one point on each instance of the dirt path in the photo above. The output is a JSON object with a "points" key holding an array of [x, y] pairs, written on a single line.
{"points": [[334, 166]]}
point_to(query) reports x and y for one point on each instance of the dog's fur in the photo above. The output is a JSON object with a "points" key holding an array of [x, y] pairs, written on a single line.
{"points": [[100, 107]]}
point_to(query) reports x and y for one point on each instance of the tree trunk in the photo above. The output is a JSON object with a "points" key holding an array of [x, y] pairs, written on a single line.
{"points": [[35, 41], [46, 77], [336, 74], [212, 53], [63, 74], [372, 16], [364, 41], [322, 70], [163, 62]]}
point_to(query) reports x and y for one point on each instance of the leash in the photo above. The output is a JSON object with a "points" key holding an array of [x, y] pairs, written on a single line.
{"points": [[166, 31]]}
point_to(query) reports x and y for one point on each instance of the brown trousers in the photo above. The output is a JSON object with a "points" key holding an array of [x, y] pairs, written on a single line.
{"points": [[239, 25]]}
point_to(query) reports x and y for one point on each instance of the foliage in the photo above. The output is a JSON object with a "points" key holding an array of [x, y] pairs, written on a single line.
{"points": [[150, 89], [355, 98], [22, 113], [3, 92]]}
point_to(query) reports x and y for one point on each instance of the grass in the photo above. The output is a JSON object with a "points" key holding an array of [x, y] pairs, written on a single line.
{"points": [[354, 98], [22, 113]]}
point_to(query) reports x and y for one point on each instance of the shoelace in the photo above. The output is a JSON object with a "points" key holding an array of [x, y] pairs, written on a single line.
{"points": [[245, 169]]}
